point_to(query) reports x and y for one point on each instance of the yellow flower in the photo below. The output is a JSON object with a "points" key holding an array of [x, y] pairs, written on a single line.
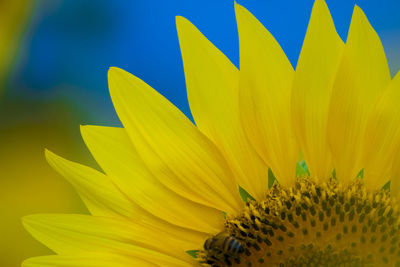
{"points": [[170, 188]]}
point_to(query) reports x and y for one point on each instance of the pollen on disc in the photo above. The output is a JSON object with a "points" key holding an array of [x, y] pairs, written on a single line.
{"points": [[310, 224]]}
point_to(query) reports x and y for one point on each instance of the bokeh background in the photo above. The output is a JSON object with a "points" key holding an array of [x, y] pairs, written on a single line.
{"points": [[54, 57]]}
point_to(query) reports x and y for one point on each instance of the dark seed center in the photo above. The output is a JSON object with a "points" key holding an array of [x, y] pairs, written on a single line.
{"points": [[311, 224]]}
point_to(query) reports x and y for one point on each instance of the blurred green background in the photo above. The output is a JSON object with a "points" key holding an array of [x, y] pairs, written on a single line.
{"points": [[54, 56]]}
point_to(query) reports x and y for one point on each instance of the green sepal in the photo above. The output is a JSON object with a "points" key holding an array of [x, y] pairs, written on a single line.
{"points": [[245, 195], [193, 253]]}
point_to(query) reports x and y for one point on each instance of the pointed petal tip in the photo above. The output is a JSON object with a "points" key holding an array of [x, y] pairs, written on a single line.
{"points": [[112, 68], [239, 7], [25, 220], [29, 221], [92, 131], [82, 128], [87, 129], [55, 161], [117, 82], [181, 23], [184, 27], [357, 8], [85, 132], [321, 9], [359, 14], [112, 71], [115, 73], [360, 17], [49, 154], [180, 20]]}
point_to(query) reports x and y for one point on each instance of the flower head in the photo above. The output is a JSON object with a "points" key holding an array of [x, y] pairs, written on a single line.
{"points": [[170, 191]]}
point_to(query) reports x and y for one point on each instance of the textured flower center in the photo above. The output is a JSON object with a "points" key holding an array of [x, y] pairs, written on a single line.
{"points": [[311, 224]]}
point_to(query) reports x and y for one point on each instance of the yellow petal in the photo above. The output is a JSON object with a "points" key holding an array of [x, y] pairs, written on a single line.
{"points": [[75, 234], [362, 76], [212, 83], [382, 136], [86, 260], [183, 159], [315, 73], [265, 89], [97, 191], [113, 150]]}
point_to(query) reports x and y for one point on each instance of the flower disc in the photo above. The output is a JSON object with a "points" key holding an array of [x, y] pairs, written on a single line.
{"points": [[312, 224]]}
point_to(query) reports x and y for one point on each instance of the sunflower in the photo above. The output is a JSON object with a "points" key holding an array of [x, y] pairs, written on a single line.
{"points": [[177, 194]]}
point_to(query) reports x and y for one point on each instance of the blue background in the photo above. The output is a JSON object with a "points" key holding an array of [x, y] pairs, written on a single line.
{"points": [[71, 44]]}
